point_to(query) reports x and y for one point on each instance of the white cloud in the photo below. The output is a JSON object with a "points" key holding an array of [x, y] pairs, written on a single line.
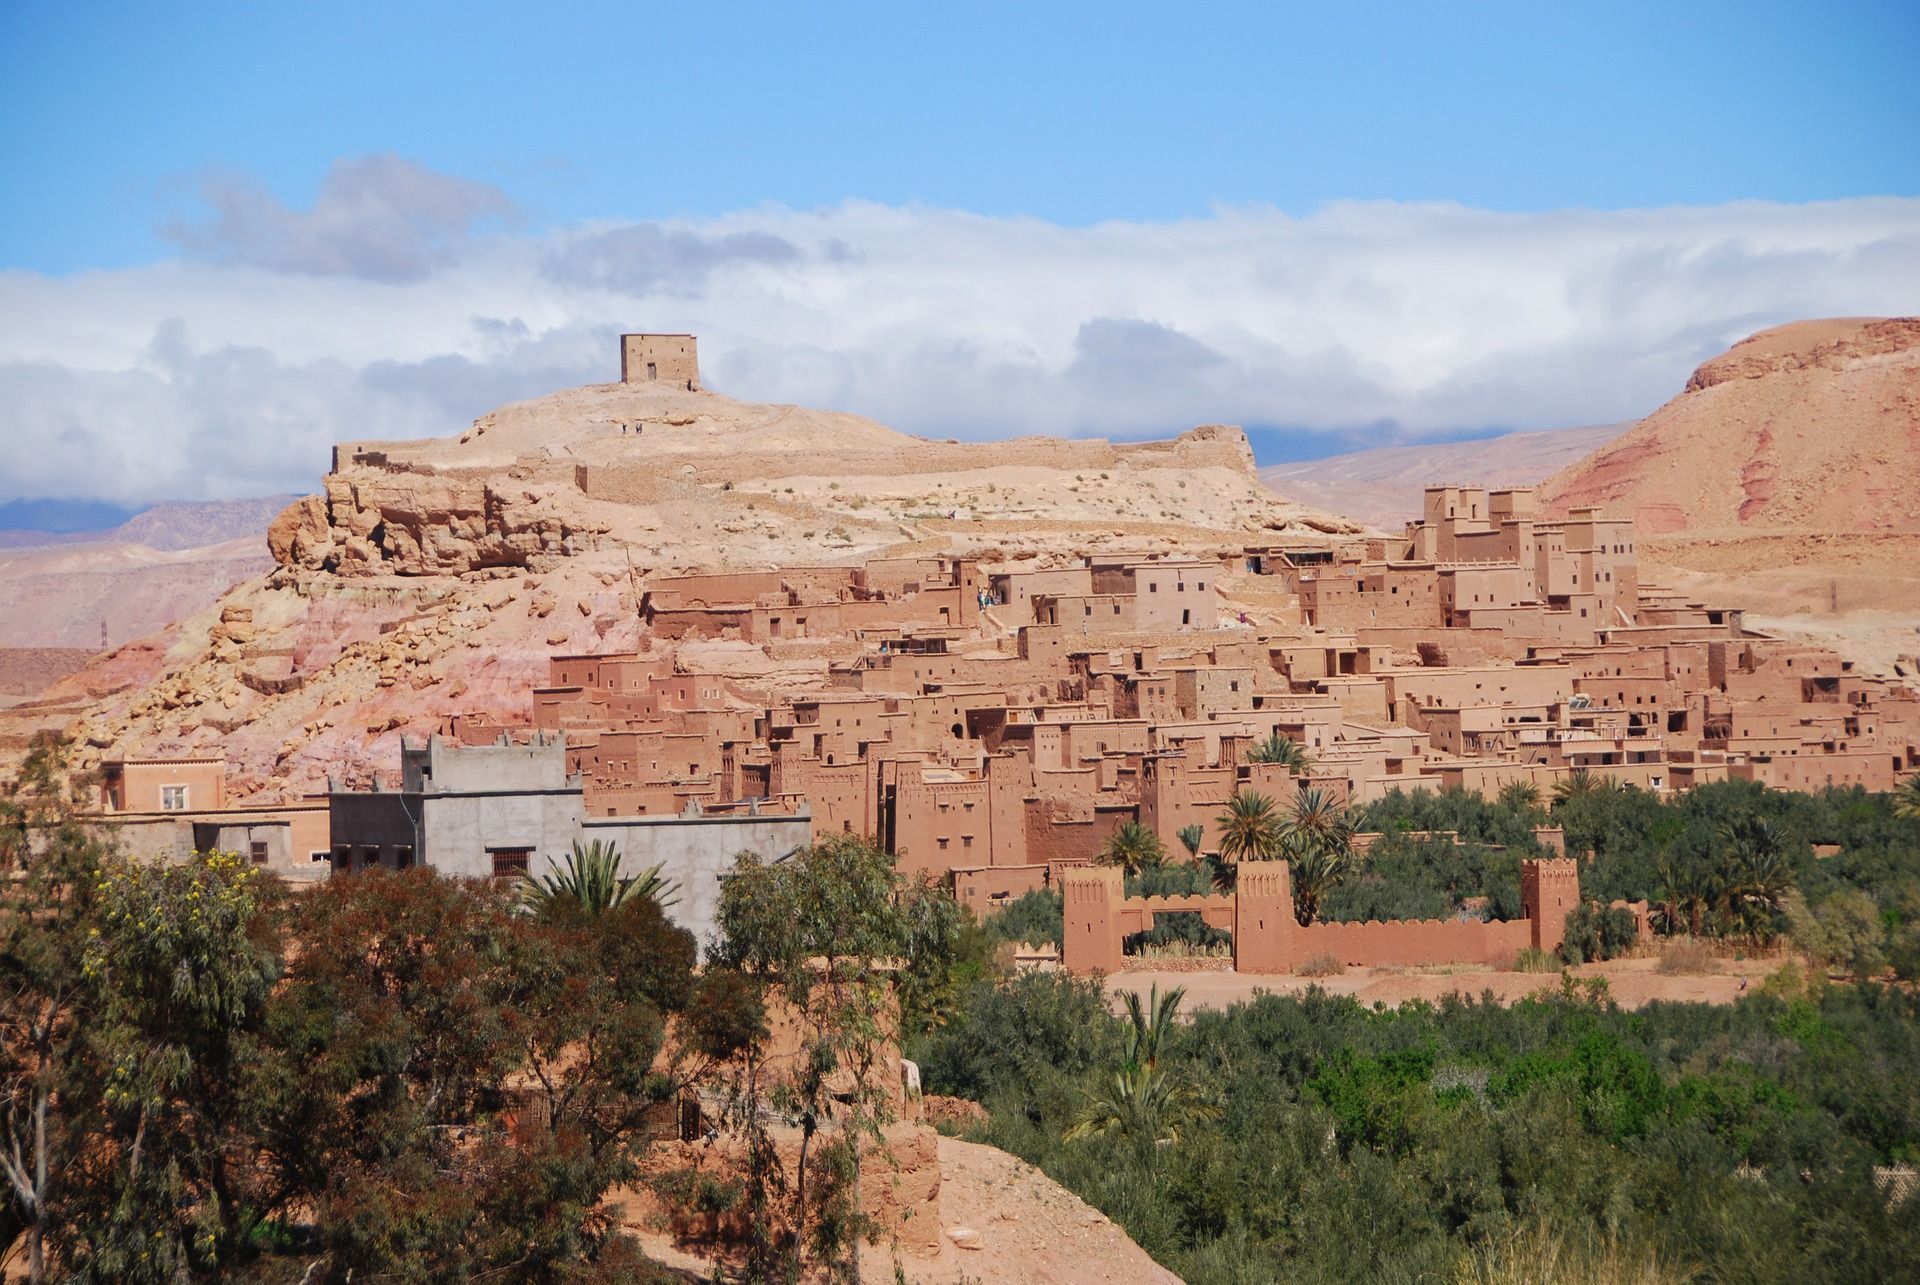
{"points": [[384, 316], [380, 217]]}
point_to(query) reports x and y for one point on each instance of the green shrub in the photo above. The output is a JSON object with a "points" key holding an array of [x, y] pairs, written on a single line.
{"points": [[1532, 959], [1596, 932]]}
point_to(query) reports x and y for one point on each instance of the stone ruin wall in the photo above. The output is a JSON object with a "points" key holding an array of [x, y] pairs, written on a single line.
{"points": [[640, 482]]}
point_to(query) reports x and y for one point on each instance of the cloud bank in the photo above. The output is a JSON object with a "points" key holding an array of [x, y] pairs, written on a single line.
{"points": [[402, 304]]}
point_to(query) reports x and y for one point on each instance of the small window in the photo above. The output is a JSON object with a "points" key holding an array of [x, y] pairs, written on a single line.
{"points": [[510, 863], [257, 853], [173, 798]]}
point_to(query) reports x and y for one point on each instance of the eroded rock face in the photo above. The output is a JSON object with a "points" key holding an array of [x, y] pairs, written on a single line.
{"points": [[413, 524]]}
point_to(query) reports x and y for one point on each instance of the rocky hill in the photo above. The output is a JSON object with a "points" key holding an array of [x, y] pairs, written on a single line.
{"points": [[436, 576], [1813, 426], [1786, 477], [1382, 486]]}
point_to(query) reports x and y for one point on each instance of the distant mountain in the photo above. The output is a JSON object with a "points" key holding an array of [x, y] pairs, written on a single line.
{"points": [[188, 524], [1811, 427], [1382, 486], [60, 517], [170, 524], [163, 564]]}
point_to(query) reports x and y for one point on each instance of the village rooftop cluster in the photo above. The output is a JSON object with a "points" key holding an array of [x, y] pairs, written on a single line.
{"points": [[993, 725]]}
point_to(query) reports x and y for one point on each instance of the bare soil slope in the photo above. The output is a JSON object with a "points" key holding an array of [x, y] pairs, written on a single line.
{"points": [[1018, 1226], [1813, 426], [1382, 486], [1785, 479]]}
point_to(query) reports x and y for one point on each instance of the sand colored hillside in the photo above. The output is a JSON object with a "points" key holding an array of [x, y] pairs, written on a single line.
{"points": [[695, 479], [1813, 426], [1383, 486], [436, 577]]}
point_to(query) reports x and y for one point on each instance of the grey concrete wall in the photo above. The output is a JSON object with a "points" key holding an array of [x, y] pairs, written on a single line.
{"points": [[451, 768], [162, 840], [461, 831], [695, 851]]}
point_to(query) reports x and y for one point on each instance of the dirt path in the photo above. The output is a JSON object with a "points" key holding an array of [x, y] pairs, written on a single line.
{"points": [[1632, 982]]}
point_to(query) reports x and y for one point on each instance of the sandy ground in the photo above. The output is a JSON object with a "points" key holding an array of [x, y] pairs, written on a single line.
{"points": [[1029, 1229], [1632, 982]]}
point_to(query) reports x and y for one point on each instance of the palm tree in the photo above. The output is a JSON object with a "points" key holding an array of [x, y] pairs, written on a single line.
{"points": [[1280, 749], [1316, 872], [1133, 847], [1315, 818], [1521, 796], [1146, 1105], [1249, 828], [1906, 799], [590, 876], [1580, 784], [1757, 874], [1190, 837], [1689, 892], [1317, 839], [1665, 904]]}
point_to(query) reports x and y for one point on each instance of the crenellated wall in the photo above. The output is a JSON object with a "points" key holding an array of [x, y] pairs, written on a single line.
{"points": [[1267, 938]]}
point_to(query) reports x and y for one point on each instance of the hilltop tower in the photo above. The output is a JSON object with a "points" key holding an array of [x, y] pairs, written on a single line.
{"points": [[651, 359]]}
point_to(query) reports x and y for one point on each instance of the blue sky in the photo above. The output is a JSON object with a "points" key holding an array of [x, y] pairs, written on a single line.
{"points": [[233, 234], [1070, 113]]}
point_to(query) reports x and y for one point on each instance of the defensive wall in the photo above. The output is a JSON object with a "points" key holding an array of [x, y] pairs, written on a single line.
{"points": [[642, 481], [1267, 938]]}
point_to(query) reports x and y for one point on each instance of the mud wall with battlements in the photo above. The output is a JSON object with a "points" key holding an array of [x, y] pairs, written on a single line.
{"points": [[1267, 938]]}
